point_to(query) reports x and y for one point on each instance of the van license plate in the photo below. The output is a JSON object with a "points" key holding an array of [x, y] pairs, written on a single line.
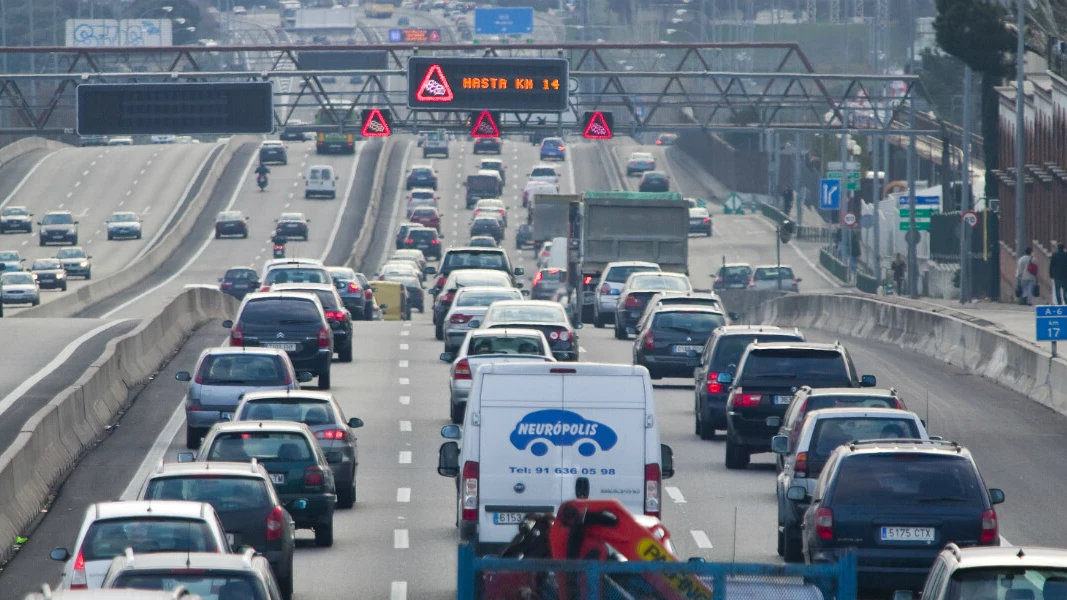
{"points": [[508, 518], [286, 347], [907, 534], [277, 478], [783, 399]]}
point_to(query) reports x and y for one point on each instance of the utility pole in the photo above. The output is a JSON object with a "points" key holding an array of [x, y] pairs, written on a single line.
{"points": [[965, 191], [1020, 130], [913, 233]]}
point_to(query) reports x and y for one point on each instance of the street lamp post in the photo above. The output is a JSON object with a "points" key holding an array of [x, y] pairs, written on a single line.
{"points": [[1020, 129]]}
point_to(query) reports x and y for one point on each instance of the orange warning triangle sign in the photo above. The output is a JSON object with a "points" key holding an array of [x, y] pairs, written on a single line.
{"points": [[597, 127], [434, 86], [485, 126], [375, 125]]}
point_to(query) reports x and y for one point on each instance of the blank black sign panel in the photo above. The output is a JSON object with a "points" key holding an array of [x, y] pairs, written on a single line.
{"points": [[175, 108]]}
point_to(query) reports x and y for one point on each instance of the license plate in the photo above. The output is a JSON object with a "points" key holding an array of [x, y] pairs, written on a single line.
{"points": [[508, 518], [286, 347], [277, 478], [908, 534], [687, 349], [228, 416], [230, 539], [783, 399]]}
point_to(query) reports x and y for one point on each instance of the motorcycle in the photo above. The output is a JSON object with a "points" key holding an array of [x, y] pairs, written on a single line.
{"points": [[279, 250], [261, 181]]}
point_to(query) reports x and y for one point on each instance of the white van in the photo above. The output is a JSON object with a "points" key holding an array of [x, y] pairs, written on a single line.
{"points": [[557, 255], [537, 434], [320, 180]]}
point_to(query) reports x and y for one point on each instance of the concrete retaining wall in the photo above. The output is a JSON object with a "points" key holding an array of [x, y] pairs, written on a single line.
{"points": [[74, 302], [17, 148], [52, 440], [374, 208], [946, 335]]}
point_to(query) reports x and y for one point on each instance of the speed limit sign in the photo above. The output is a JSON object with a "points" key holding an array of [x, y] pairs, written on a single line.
{"points": [[970, 218], [849, 219]]}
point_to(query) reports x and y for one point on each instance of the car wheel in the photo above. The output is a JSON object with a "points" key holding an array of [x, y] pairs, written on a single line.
{"points": [[192, 438], [347, 498], [36, 301], [345, 355], [598, 321], [438, 332], [244, 236], [324, 534], [781, 541], [736, 456], [110, 237], [42, 241], [138, 236], [307, 195], [792, 548], [324, 379], [456, 412], [217, 235], [88, 274], [64, 288], [620, 334], [286, 585]]}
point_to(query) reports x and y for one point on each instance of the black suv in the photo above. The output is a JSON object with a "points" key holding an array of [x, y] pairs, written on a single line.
{"points": [[895, 504], [654, 181], [488, 226], [670, 344], [718, 363], [474, 258], [767, 377], [423, 238], [292, 321], [273, 152], [333, 307], [421, 177], [239, 282], [58, 226]]}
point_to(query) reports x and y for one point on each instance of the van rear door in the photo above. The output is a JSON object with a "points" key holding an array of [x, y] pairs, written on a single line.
{"points": [[519, 467], [604, 454]]}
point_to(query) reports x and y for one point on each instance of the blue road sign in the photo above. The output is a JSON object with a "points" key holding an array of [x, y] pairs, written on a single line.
{"points": [[919, 201], [830, 194], [1051, 323], [396, 35], [503, 20]]}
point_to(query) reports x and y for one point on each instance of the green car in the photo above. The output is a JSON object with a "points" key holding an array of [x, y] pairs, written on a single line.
{"points": [[298, 467]]}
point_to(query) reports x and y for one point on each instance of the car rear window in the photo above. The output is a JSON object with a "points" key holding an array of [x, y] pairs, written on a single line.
{"points": [[422, 195], [621, 274], [475, 260], [543, 172], [552, 275], [224, 493], [688, 322], [897, 478], [655, 282], [831, 433], [109, 538], [487, 298], [729, 348], [505, 345], [15, 212], [297, 275], [209, 586], [229, 216], [675, 300], [770, 274], [796, 366], [419, 234], [270, 311], [1047, 583], [422, 172], [817, 402], [9, 255], [425, 212], [242, 369], [264, 446], [240, 275], [483, 182], [528, 314], [735, 272], [309, 412]]}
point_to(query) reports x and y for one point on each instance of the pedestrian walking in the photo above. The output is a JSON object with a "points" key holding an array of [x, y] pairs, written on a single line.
{"points": [[839, 242], [1026, 277], [853, 255], [898, 268], [1057, 272]]}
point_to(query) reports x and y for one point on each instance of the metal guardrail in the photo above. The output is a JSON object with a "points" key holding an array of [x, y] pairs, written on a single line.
{"points": [[494, 577], [808, 233]]}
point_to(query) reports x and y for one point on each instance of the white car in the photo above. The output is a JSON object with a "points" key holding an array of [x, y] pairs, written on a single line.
{"points": [[766, 278], [19, 287], [491, 206], [546, 174], [123, 225], [109, 528], [11, 260], [400, 267], [639, 163], [469, 305], [421, 197], [123, 140], [320, 180], [293, 261], [239, 10], [162, 139]]}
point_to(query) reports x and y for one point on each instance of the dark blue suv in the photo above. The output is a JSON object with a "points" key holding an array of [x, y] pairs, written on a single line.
{"points": [[553, 148], [895, 504]]}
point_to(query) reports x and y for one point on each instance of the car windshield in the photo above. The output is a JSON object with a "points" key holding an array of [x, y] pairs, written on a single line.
{"points": [[769, 274], [832, 432], [224, 493], [240, 275], [9, 256], [1047, 583], [527, 314], [46, 263], [816, 402], [297, 275], [621, 274], [17, 279], [123, 218], [15, 211], [291, 217], [227, 585], [310, 412], [229, 216], [71, 253], [909, 478], [106, 539], [486, 344], [58, 219], [242, 369], [729, 348], [803, 366], [486, 298], [275, 311], [658, 282], [264, 446], [475, 260], [688, 322]]}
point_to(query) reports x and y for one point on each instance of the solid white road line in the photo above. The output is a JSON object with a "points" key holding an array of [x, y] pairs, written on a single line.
{"points": [[210, 238], [344, 203], [398, 591], [405, 399], [403, 494], [57, 362], [675, 494], [405, 426], [701, 538], [405, 457], [400, 539]]}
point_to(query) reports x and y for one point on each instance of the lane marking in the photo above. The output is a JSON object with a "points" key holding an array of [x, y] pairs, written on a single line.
{"points": [[403, 346], [404, 381], [403, 364], [405, 332], [405, 399], [57, 362], [398, 591], [405, 426], [405, 457], [701, 538], [400, 539], [156, 452], [86, 172], [818, 271], [675, 494], [403, 494]]}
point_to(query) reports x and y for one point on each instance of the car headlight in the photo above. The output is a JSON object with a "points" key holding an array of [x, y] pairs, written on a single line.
{"points": [[59, 275], [84, 263]]}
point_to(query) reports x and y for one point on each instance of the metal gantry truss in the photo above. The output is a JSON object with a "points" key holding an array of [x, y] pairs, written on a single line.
{"points": [[662, 87]]}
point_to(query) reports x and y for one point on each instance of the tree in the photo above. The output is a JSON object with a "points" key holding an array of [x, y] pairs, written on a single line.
{"points": [[975, 32]]}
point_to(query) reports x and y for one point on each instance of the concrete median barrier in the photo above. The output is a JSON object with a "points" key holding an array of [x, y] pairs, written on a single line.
{"points": [[27, 144], [53, 439], [947, 335], [98, 290], [374, 208]]}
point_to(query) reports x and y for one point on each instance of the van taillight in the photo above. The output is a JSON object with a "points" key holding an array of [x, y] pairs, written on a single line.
{"points": [[652, 490], [714, 387], [605, 289], [275, 524], [78, 580], [990, 531], [469, 488], [462, 370], [237, 337], [441, 281], [824, 523], [648, 340], [800, 465]]}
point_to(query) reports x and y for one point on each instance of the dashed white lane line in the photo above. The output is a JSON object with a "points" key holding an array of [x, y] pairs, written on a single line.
{"points": [[405, 457], [403, 346], [405, 426], [403, 364], [61, 204], [701, 538], [77, 183], [405, 332], [403, 494], [405, 399], [404, 381], [69, 194], [147, 210], [582, 349], [400, 539], [86, 172], [675, 494], [406, 324], [92, 164], [398, 591]]}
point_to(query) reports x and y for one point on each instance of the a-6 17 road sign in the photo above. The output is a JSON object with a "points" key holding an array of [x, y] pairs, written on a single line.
{"points": [[1051, 323]]}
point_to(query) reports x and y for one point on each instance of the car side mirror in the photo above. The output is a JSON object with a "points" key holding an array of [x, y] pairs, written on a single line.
{"points": [[304, 377], [220, 279], [903, 595], [355, 423], [996, 496], [183, 376], [734, 316], [666, 461], [447, 357], [475, 323], [579, 325], [796, 493], [298, 504], [451, 432], [519, 285], [519, 271], [868, 381], [76, 222], [60, 554], [448, 459], [334, 457], [383, 307], [800, 279], [725, 378], [429, 270], [434, 290], [780, 444], [227, 324], [185, 457]]}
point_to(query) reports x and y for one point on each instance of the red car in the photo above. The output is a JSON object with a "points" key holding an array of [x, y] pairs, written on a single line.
{"points": [[427, 216]]}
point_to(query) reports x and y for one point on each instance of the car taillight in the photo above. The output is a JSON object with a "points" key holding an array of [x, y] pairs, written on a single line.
{"points": [[564, 335], [631, 301], [714, 387], [353, 287], [824, 523], [237, 338], [560, 148], [652, 487], [324, 337], [440, 281], [462, 370], [435, 242], [275, 524], [459, 319], [469, 488], [314, 475], [742, 399], [227, 284], [605, 289], [588, 279], [331, 434], [265, 288], [707, 220], [718, 279], [897, 403], [989, 527], [200, 373], [800, 465], [78, 580], [335, 315], [537, 278], [448, 297], [648, 340], [409, 241]]}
